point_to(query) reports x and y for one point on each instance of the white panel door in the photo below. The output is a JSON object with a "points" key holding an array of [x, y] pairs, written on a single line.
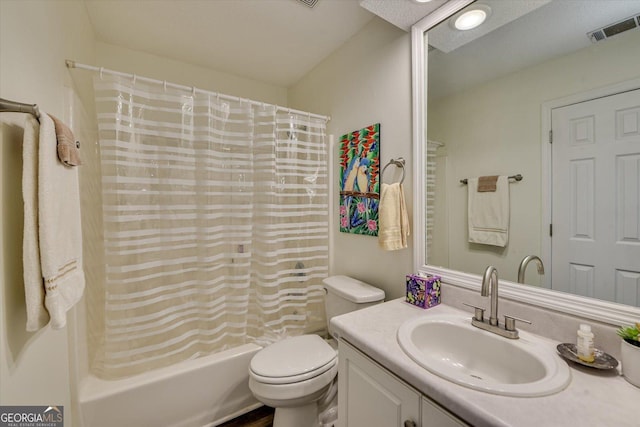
{"points": [[596, 198]]}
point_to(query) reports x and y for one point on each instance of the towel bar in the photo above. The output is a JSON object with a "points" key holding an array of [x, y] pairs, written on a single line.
{"points": [[7, 106], [517, 177]]}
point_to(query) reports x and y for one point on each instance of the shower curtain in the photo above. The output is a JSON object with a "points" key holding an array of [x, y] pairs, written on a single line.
{"points": [[215, 216], [430, 184]]}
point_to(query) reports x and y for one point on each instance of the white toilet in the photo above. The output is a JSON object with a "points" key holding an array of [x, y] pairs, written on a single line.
{"points": [[294, 374]]}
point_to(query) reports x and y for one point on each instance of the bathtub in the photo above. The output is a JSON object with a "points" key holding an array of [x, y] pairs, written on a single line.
{"points": [[196, 393]]}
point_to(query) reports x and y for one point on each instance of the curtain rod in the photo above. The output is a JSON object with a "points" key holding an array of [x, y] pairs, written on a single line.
{"points": [[101, 70]]}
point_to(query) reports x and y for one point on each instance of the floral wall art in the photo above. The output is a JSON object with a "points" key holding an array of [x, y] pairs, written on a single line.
{"points": [[359, 181]]}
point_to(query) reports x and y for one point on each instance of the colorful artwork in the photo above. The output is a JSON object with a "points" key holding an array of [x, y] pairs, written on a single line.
{"points": [[359, 181]]}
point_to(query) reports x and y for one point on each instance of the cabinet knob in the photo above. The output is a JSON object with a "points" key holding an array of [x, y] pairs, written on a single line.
{"points": [[410, 423]]}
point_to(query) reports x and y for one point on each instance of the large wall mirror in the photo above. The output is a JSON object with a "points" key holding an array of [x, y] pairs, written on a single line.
{"points": [[485, 102]]}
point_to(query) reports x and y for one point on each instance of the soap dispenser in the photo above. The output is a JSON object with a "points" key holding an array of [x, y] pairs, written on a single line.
{"points": [[585, 349]]}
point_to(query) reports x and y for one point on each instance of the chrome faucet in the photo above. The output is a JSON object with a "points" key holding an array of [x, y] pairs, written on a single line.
{"points": [[523, 266], [490, 288]]}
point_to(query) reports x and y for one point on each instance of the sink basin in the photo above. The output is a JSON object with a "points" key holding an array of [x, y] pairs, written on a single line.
{"points": [[448, 346]]}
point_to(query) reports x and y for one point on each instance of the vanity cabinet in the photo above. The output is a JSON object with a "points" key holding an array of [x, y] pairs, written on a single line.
{"points": [[370, 396]]}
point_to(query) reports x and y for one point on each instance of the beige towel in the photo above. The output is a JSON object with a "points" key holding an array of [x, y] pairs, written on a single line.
{"points": [[52, 228], [67, 146], [487, 183], [488, 213], [393, 220]]}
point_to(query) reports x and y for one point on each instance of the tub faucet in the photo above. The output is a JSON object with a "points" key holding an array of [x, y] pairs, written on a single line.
{"points": [[490, 288], [523, 266]]}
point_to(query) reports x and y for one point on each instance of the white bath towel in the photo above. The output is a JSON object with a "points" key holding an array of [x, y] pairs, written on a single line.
{"points": [[52, 254], [393, 220], [488, 213], [37, 314]]}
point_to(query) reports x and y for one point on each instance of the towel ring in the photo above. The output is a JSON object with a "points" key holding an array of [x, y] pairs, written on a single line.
{"points": [[399, 162]]}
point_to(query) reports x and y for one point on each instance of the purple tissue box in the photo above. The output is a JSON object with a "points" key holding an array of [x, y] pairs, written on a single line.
{"points": [[423, 291]]}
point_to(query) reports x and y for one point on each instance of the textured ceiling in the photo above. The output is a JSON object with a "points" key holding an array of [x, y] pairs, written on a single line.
{"points": [[555, 29], [272, 41], [446, 38], [401, 13]]}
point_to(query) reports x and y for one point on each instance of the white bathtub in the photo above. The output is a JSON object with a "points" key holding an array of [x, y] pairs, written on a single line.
{"points": [[196, 393]]}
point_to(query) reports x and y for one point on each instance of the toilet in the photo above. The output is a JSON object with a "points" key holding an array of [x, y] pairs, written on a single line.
{"points": [[295, 374]]}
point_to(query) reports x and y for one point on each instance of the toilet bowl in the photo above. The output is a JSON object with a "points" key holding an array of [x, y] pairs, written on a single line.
{"points": [[291, 376], [294, 374]]}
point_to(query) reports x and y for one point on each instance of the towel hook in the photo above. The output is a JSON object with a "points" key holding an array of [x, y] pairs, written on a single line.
{"points": [[399, 162]]}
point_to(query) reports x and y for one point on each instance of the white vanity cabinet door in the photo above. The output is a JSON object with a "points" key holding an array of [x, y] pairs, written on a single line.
{"points": [[435, 416], [368, 396]]}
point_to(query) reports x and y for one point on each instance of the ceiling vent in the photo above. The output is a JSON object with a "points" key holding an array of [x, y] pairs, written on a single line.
{"points": [[613, 29], [309, 3]]}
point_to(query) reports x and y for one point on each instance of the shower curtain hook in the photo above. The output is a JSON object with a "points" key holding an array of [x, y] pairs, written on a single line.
{"points": [[193, 91], [164, 84], [101, 71], [134, 79]]}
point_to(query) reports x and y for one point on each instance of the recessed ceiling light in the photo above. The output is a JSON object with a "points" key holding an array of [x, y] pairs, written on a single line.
{"points": [[471, 18], [422, 1]]}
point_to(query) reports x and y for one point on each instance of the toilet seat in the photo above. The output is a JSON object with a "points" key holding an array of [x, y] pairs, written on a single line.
{"points": [[293, 360], [295, 378]]}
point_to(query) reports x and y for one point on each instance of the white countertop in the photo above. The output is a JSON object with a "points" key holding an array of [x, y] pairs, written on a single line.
{"points": [[593, 398]]}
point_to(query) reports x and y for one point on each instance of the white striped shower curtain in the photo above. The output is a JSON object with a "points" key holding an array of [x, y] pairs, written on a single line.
{"points": [[430, 185], [215, 216]]}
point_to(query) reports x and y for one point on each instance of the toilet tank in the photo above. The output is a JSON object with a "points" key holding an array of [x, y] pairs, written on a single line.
{"points": [[346, 294]]}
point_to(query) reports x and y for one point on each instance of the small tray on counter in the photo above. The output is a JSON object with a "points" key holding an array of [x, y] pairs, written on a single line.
{"points": [[602, 359]]}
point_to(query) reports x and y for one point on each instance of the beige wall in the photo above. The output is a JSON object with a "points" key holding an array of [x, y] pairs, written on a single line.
{"points": [[366, 81], [495, 128], [160, 68], [35, 38]]}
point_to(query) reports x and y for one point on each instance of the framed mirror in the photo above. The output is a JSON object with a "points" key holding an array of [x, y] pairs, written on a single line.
{"points": [[484, 100]]}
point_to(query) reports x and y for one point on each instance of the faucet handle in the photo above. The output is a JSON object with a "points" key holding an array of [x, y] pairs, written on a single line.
{"points": [[510, 322], [479, 312]]}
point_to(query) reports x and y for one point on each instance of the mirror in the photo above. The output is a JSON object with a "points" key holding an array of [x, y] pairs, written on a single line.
{"points": [[489, 101]]}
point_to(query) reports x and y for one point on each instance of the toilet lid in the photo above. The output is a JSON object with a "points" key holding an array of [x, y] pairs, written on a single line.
{"points": [[294, 356]]}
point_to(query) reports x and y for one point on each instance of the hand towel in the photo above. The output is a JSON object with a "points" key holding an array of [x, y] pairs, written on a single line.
{"points": [[52, 230], [487, 183], [67, 146], [393, 222], [488, 213]]}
